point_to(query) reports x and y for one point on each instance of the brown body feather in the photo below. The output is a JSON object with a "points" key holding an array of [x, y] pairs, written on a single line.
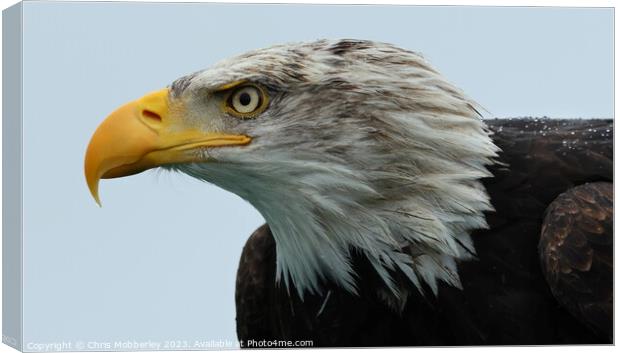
{"points": [[576, 249]]}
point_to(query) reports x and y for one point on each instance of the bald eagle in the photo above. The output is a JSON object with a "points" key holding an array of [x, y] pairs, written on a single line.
{"points": [[395, 214]]}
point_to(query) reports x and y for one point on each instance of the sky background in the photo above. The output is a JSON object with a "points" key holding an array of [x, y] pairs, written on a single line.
{"points": [[158, 261]]}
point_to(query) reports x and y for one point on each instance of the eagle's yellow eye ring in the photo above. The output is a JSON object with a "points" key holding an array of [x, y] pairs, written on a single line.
{"points": [[246, 101]]}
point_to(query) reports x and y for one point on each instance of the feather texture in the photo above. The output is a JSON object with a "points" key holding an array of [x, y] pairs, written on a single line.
{"points": [[364, 148], [505, 297]]}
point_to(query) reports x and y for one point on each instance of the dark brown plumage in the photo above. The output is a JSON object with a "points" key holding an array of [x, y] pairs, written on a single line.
{"points": [[505, 298], [576, 250]]}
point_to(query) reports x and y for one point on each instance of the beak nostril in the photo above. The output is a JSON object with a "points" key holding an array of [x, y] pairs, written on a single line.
{"points": [[151, 116]]}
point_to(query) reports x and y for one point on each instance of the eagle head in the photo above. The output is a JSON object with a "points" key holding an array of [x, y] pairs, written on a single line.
{"points": [[343, 146]]}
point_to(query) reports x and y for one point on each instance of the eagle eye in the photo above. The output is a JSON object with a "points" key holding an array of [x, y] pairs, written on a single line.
{"points": [[246, 101]]}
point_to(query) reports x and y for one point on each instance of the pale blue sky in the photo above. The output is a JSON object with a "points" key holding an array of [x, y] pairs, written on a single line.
{"points": [[158, 261]]}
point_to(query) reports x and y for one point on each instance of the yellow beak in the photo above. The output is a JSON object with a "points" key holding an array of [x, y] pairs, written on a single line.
{"points": [[143, 134]]}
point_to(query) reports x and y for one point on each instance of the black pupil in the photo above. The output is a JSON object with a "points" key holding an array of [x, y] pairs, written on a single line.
{"points": [[244, 98]]}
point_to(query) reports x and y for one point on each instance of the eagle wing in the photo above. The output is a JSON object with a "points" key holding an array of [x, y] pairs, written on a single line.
{"points": [[576, 250], [254, 287]]}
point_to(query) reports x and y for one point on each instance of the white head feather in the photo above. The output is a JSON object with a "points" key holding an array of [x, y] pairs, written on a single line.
{"points": [[364, 147]]}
